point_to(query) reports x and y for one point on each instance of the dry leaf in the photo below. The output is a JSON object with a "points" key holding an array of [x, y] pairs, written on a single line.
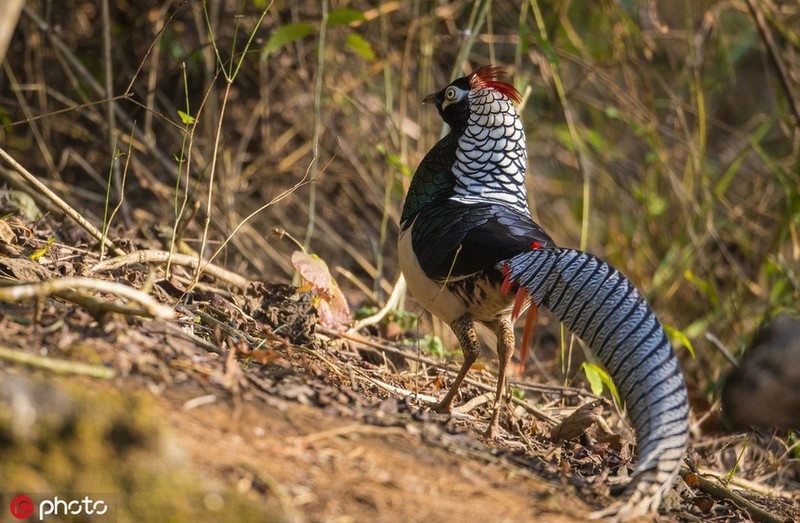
{"points": [[691, 480], [333, 309], [705, 504], [265, 356], [315, 271], [24, 269], [7, 235], [578, 422]]}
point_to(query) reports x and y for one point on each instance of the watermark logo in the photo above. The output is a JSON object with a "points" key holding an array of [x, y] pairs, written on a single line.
{"points": [[43, 507], [21, 507]]}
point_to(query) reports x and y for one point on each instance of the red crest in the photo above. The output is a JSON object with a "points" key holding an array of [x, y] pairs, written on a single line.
{"points": [[489, 76]]}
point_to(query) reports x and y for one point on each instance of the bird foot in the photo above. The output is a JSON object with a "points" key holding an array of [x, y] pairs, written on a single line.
{"points": [[444, 407], [493, 430]]}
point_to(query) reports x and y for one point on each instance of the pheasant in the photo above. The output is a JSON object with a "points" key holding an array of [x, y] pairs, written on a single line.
{"points": [[769, 374], [471, 252]]}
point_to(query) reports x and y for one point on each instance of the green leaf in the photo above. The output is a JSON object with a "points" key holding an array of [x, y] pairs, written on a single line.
{"points": [[680, 337], [432, 344], [360, 46], [525, 34], [598, 377], [546, 47], [285, 35], [703, 286], [345, 16], [594, 378], [365, 311], [41, 252], [186, 118], [779, 288]]}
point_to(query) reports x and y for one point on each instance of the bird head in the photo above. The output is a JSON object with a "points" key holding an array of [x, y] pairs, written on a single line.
{"points": [[456, 101]]}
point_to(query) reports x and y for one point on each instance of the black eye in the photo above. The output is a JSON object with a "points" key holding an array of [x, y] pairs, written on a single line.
{"points": [[451, 93]]}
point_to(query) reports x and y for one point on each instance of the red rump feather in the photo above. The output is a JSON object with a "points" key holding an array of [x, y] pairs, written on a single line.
{"points": [[522, 297], [507, 285], [527, 335], [489, 76]]}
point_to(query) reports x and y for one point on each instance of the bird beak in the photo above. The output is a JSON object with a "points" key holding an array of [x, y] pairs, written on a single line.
{"points": [[430, 99]]}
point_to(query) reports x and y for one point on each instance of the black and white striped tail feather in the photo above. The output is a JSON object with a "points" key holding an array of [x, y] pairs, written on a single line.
{"points": [[605, 310]]}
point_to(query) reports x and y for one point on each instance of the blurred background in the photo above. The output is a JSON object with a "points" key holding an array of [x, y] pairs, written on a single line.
{"points": [[662, 136]]}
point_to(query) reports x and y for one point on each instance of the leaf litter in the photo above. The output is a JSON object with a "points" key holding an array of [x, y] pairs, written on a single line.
{"points": [[283, 347]]}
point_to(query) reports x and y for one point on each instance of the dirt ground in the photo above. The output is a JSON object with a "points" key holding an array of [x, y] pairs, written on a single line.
{"points": [[322, 467], [242, 406]]}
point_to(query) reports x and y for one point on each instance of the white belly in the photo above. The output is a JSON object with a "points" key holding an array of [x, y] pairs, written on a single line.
{"points": [[429, 294]]}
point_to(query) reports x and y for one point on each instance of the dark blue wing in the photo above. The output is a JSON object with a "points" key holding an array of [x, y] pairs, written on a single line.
{"points": [[453, 239]]}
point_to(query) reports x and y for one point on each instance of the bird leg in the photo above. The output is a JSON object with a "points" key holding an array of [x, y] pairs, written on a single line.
{"points": [[504, 330], [464, 330]]}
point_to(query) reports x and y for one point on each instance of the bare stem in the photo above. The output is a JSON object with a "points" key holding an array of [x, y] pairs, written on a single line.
{"points": [[62, 286], [59, 203], [312, 190]]}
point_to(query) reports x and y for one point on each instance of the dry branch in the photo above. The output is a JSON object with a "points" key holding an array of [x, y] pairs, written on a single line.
{"points": [[398, 291], [722, 493], [775, 57], [9, 14], [355, 428], [56, 365], [750, 485], [58, 202], [352, 336], [179, 259], [66, 287]]}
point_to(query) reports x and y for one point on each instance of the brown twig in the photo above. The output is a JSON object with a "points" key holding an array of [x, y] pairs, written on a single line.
{"points": [[59, 203], [90, 80], [775, 58], [56, 365], [9, 14], [750, 485], [179, 259], [65, 286], [397, 293], [722, 493], [432, 362], [425, 398], [108, 88], [355, 428]]}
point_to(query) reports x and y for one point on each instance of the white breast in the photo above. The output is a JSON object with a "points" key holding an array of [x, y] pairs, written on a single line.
{"points": [[431, 295]]}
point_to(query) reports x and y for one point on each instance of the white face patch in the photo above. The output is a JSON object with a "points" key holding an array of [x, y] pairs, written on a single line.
{"points": [[452, 95]]}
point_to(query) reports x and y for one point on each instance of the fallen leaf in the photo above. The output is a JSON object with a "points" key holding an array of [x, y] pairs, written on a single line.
{"points": [[41, 252], [333, 309], [315, 271], [7, 235], [705, 504], [24, 269], [692, 480], [264, 356], [578, 422]]}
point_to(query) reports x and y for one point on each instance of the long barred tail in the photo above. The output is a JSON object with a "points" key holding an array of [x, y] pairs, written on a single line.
{"points": [[605, 310]]}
